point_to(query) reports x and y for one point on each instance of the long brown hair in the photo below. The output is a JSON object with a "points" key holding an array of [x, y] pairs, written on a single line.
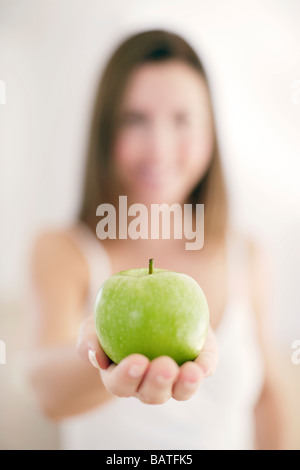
{"points": [[99, 184]]}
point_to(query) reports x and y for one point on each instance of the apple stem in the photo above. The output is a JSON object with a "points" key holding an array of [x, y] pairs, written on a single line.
{"points": [[151, 266]]}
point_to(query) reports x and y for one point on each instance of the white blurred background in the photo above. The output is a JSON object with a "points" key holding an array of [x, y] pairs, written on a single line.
{"points": [[51, 55]]}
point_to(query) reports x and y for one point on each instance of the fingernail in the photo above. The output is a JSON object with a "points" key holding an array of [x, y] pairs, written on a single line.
{"points": [[189, 384], [191, 381], [209, 373], [93, 359], [163, 378], [136, 371]]}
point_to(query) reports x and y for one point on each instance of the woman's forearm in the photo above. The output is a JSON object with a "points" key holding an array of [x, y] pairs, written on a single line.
{"points": [[63, 383]]}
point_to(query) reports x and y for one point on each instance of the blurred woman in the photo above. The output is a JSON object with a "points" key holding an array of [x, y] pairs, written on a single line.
{"points": [[153, 139]]}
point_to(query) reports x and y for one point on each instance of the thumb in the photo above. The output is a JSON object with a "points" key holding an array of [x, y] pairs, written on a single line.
{"points": [[88, 346]]}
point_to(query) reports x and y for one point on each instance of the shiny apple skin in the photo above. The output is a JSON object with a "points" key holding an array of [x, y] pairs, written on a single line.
{"points": [[158, 314]]}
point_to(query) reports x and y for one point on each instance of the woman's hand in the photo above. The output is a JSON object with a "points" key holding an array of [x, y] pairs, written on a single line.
{"points": [[153, 382]]}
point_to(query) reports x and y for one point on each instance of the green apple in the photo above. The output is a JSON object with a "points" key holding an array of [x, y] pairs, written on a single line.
{"points": [[154, 312]]}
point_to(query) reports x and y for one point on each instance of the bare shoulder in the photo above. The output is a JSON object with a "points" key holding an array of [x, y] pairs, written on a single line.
{"points": [[259, 256], [59, 279], [260, 272], [54, 254], [256, 249]]}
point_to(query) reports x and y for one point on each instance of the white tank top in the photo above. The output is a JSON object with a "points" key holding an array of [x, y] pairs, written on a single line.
{"points": [[218, 416]]}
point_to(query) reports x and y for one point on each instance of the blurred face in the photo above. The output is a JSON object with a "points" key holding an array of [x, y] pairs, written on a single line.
{"points": [[164, 140]]}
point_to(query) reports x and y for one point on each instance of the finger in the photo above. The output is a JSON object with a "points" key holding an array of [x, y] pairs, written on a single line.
{"points": [[88, 346], [188, 381], [124, 379], [208, 357], [156, 388]]}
